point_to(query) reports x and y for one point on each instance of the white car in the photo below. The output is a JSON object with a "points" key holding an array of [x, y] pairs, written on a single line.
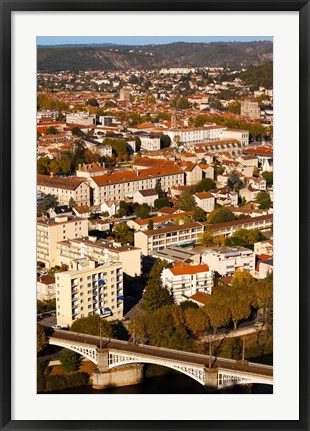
{"points": [[56, 327]]}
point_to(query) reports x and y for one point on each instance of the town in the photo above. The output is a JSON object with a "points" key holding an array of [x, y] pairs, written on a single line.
{"points": [[154, 219]]}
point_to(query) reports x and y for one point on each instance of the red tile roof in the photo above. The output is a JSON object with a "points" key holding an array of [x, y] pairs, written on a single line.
{"points": [[70, 183], [183, 270]]}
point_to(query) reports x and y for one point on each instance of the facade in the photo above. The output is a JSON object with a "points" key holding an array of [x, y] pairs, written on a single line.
{"points": [[241, 135], [90, 170], [185, 281], [47, 114], [226, 260], [52, 230], [89, 289], [90, 247], [124, 94], [124, 184], [264, 247], [150, 143], [81, 118], [250, 109], [205, 200], [191, 136], [46, 288], [65, 189], [158, 239]]}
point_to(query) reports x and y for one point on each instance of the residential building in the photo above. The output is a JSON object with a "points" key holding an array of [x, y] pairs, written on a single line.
{"points": [[263, 222], [175, 254], [241, 135], [45, 288], [110, 207], [185, 281], [226, 260], [145, 197], [52, 230], [90, 170], [150, 143], [193, 172], [89, 289], [81, 118], [65, 189], [250, 108], [205, 200], [157, 239], [124, 94], [264, 247], [101, 250], [119, 185]]}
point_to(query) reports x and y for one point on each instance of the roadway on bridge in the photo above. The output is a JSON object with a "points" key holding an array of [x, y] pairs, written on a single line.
{"points": [[197, 359]]}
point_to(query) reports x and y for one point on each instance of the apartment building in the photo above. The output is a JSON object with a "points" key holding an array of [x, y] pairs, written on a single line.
{"points": [[65, 189], [90, 288], [264, 247], [150, 143], [190, 136], [241, 135], [157, 239], [87, 170], [52, 230], [100, 250], [185, 281], [81, 118], [226, 260], [119, 185], [250, 108], [228, 228], [45, 288]]}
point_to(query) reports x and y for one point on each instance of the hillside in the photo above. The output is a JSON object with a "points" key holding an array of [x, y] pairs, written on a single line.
{"points": [[215, 54]]}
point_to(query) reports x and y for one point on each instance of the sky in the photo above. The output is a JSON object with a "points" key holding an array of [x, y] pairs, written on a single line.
{"points": [[143, 40]]}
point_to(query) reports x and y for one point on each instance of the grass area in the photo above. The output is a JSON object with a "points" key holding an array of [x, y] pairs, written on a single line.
{"points": [[86, 367]]}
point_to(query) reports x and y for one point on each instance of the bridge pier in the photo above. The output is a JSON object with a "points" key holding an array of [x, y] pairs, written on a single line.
{"points": [[211, 375]]}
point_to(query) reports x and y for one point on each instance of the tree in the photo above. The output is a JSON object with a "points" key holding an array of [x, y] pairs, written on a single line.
{"points": [[77, 131], [64, 163], [165, 141], [268, 176], [123, 234], [150, 225], [43, 166], [244, 238], [158, 188], [240, 296], [70, 361], [138, 327], [234, 107], [218, 314], [156, 296], [255, 172], [51, 131], [143, 211], [207, 239], [181, 219], [91, 325], [199, 214], [48, 201], [72, 202], [124, 209], [161, 202], [235, 182], [92, 102], [205, 185], [264, 200], [186, 201], [196, 320], [41, 338], [220, 215]]}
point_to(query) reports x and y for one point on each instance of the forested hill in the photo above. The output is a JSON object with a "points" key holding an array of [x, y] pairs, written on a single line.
{"points": [[117, 57]]}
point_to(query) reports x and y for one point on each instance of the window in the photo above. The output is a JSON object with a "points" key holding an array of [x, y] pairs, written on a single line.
{"points": [[81, 279], [90, 306], [82, 308]]}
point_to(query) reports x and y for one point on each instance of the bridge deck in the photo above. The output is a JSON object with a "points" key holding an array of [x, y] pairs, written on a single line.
{"points": [[193, 358]]}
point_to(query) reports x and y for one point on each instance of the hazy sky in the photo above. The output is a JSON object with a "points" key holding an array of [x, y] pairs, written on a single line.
{"points": [[143, 40]]}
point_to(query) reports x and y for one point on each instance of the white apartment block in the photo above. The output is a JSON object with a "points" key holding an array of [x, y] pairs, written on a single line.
{"points": [[150, 143], [89, 289], [52, 230], [65, 189], [185, 281], [124, 184], [157, 239], [191, 136], [47, 114], [205, 200], [240, 135], [81, 118], [100, 250], [226, 260]]}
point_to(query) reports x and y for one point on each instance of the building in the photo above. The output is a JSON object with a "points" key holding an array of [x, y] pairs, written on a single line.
{"points": [[157, 239], [87, 170], [52, 230], [65, 189], [47, 114], [176, 254], [191, 136], [150, 143], [90, 288], [241, 135], [45, 288], [185, 281], [264, 247], [250, 108], [205, 200], [119, 185], [101, 250], [146, 197], [124, 94], [226, 260], [263, 222], [81, 118]]}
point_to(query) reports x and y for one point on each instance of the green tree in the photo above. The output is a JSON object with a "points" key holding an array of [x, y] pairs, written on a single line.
{"points": [[77, 132], [92, 102], [138, 327], [156, 296], [91, 325], [143, 211], [205, 185], [161, 202], [70, 361], [48, 201], [165, 141], [123, 234], [186, 201], [43, 166], [244, 238], [64, 163], [41, 338], [268, 176], [199, 214], [51, 131], [150, 225], [220, 215], [255, 172], [124, 209], [234, 107], [207, 239], [72, 202], [159, 189], [218, 314], [264, 200]]}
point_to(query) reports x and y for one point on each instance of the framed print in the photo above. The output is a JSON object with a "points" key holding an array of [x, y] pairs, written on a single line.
{"points": [[154, 270]]}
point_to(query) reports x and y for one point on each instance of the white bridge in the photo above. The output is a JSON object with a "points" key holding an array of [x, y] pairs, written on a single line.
{"points": [[111, 353]]}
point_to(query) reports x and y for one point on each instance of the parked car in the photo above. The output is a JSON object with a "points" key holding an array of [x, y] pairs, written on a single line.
{"points": [[56, 327]]}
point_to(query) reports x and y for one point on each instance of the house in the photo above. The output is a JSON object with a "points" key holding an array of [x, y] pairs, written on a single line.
{"points": [[193, 172], [264, 247], [258, 183], [110, 207], [185, 281], [207, 171], [225, 197], [146, 197], [205, 200], [249, 193], [90, 170], [60, 210], [82, 211], [45, 288]]}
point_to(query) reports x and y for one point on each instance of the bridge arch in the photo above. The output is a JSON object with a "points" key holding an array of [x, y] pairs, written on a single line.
{"points": [[88, 351]]}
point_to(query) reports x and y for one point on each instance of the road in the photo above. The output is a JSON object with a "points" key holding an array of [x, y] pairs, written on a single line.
{"points": [[193, 358]]}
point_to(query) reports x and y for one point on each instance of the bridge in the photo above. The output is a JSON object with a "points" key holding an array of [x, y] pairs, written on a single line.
{"points": [[213, 372]]}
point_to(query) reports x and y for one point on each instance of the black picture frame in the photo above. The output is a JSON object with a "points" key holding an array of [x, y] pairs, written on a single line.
{"points": [[7, 7]]}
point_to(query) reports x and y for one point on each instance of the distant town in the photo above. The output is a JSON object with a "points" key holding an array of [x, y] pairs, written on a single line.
{"points": [[155, 227]]}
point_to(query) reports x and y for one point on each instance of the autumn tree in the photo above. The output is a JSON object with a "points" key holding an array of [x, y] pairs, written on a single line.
{"points": [[199, 214], [219, 316], [264, 200], [196, 320], [123, 234], [205, 185], [41, 338], [91, 325], [220, 215], [186, 201]]}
